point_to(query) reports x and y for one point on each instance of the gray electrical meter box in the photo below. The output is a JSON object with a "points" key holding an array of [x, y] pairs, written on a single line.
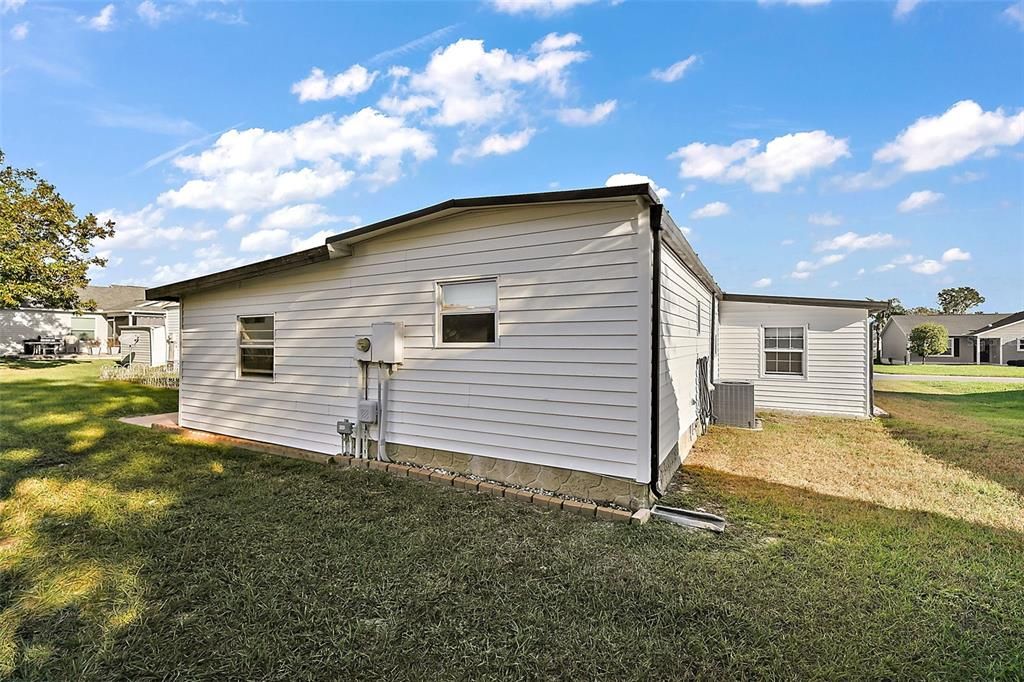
{"points": [[366, 412], [388, 342], [363, 348]]}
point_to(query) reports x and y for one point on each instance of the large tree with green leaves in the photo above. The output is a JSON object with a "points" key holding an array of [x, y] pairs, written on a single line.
{"points": [[958, 300], [44, 245], [928, 339]]}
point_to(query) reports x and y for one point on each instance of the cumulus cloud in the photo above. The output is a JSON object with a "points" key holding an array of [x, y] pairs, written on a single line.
{"points": [[19, 31], [265, 240], [543, 8], [826, 219], [313, 240], [763, 282], [11, 5], [851, 241], [250, 169], [782, 160], [712, 210], [804, 268], [587, 117], [963, 131], [671, 74], [317, 86], [151, 13], [206, 260], [496, 145], [619, 179], [146, 228], [1015, 14], [903, 8], [927, 267], [104, 21], [955, 254], [301, 216], [237, 221], [556, 41], [918, 200]]}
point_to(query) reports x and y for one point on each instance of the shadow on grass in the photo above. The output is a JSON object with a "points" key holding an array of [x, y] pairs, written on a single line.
{"points": [[36, 363], [137, 554], [980, 432]]}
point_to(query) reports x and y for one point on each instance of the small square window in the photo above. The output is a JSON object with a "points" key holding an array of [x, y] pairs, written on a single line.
{"points": [[256, 346], [784, 350], [468, 311]]}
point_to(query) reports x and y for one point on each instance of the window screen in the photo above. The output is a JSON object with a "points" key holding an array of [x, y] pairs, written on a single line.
{"points": [[468, 311], [256, 346], [784, 350]]}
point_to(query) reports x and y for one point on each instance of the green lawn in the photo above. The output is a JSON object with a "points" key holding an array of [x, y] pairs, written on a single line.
{"points": [[128, 553], [953, 370]]}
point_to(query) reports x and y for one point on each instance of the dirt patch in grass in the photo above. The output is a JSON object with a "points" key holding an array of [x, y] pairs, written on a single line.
{"points": [[858, 460]]}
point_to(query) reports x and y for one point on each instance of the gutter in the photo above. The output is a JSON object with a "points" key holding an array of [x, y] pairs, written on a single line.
{"points": [[656, 234]]}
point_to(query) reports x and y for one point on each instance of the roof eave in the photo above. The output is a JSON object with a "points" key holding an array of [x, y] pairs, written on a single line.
{"points": [[869, 305]]}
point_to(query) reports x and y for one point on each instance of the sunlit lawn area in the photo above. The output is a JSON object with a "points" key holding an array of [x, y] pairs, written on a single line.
{"points": [[953, 370], [128, 553]]}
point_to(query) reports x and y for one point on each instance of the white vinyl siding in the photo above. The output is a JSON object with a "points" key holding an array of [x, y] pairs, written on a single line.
{"points": [[835, 379], [174, 333], [685, 321], [558, 387]]}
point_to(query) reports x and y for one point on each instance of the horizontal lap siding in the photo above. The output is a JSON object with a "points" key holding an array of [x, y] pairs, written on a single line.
{"points": [[559, 389], [837, 356], [680, 348]]}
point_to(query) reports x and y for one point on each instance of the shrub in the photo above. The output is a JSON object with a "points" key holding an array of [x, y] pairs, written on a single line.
{"points": [[141, 374]]}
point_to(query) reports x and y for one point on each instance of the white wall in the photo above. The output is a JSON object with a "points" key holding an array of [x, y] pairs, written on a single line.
{"points": [[18, 325], [561, 387], [894, 344], [837, 347], [680, 348], [173, 321], [1009, 335]]}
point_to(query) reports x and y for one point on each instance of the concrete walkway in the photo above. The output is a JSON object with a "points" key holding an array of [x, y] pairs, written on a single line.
{"points": [[941, 377], [165, 419]]}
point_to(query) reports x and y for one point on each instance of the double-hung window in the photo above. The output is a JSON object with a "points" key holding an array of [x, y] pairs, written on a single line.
{"points": [[784, 351], [468, 311], [256, 346]]}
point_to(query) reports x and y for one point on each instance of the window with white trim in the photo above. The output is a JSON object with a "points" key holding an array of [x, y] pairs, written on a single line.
{"points": [[784, 351], [256, 346], [467, 311], [84, 328], [1020, 344], [952, 349]]}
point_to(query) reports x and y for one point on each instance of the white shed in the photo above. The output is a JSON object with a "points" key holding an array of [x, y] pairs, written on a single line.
{"points": [[561, 340], [149, 345]]}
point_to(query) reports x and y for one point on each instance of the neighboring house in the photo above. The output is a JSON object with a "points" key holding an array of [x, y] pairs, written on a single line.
{"points": [[561, 340], [117, 307], [974, 338]]}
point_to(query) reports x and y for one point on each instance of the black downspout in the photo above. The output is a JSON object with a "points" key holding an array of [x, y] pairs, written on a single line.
{"points": [[711, 350], [656, 210]]}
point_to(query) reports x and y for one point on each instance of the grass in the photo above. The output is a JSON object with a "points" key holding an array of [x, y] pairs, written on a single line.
{"points": [[953, 370], [128, 553]]}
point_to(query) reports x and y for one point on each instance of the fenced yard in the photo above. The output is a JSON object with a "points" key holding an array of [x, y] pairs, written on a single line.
{"points": [[129, 553]]}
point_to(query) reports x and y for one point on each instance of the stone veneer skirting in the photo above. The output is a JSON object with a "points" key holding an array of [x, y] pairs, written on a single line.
{"points": [[609, 489]]}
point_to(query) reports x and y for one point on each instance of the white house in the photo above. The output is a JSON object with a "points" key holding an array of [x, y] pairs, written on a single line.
{"points": [[563, 340], [974, 338]]}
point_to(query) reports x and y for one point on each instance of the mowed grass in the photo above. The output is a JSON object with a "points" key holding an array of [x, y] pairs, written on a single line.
{"points": [[953, 370], [128, 553]]}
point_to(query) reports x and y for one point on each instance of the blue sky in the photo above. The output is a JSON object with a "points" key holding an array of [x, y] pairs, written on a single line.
{"points": [[810, 148]]}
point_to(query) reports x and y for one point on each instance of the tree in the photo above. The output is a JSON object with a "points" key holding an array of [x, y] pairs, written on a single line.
{"points": [[44, 246], [928, 339], [958, 300], [883, 316], [923, 310]]}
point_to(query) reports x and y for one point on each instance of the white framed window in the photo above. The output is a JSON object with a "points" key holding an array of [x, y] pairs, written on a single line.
{"points": [[952, 349], [256, 346], [1020, 344], [83, 327], [784, 351], [467, 312]]}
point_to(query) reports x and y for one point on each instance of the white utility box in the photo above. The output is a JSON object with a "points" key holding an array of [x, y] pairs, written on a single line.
{"points": [[388, 342]]}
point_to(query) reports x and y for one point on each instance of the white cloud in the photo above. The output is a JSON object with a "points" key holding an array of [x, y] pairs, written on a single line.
{"points": [[804, 268], [967, 177], [903, 8], [11, 5], [918, 200], [960, 133], [826, 219], [316, 239], [145, 228], [556, 41], [19, 31], [250, 169], [905, 259], [712, 210], [800, 275], [927, 267], [676, 71], [104, 21], [301, 216], [543, 8], [783, 159], [587, 117], [619, 179], [763, 282], [787, 242], [237, 221], [1015, 14], [317, 86], [955, 254], [861, 271], [851, 241], [265, 240], [466, 84], [496, 145], [152, 14], [206, 260]]}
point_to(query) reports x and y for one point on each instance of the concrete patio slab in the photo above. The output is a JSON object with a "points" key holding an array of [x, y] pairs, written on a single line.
{"points": [[147, 420]]}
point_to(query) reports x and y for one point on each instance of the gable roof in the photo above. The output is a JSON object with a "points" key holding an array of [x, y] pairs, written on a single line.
{"points": [[114, 297], [338, 243], [956, 325], [1008, 320]]}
